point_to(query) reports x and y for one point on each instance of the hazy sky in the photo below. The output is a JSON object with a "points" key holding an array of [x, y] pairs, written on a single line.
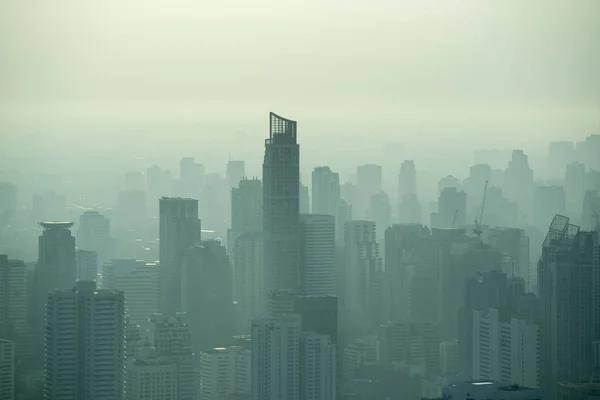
{"points": [[465, 69]]}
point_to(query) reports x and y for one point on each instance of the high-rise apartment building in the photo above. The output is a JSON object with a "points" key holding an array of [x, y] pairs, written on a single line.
{"points": [[179, 232], [319, 314], [414, 345], [248, 280], [361, 352], [325, 191], [225, 372], [518, 183], [362, 264], [317, 367], [246, 211], [505, 348], [93, 234], [170, 337], [56, 269], [317, 254], [13, 298], [281, 185], [140, 281], [568, 279], [7, 370], [152, 377], [276, 358], [94, 320], [87, 265]]}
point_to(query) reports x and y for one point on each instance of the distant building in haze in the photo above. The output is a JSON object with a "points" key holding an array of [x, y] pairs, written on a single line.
{"points": [[140, 281], [281, 185], [93, 234], [452, 209], [369, 183], [236, 170], [179, 232]]}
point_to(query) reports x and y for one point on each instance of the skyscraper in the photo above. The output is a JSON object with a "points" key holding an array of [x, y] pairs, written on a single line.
{"points": [[207, 294], [224, 372], [56, 269], [325, 191], [248, 291], [170, 337], [407, 180], [87, 265], [317, 367], [236, 170], [7, 370], [281, 185], [568, 279], [246, 211], [13, 298], [140, 281], [93, 234], [317, 254], [85, 318], [369, 183], [179, 232], [362, 264], [276, 358]]}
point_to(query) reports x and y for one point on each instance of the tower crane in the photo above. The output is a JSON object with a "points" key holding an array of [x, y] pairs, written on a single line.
{"points": [[479, 222]]}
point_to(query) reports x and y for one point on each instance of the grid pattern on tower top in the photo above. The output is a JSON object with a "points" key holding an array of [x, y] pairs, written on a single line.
{"points": [[282, 130]]}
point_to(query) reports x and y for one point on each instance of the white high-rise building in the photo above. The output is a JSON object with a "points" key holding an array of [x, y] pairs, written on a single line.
{"points": [[93, 234], [317, 367], [361, 352], [248, 290], [7, 370], [91, 319], [317, 254], [151, 377], [87, 265], [276, 358], [506, 351], [140, 281], [170, 337], [225, 371]]}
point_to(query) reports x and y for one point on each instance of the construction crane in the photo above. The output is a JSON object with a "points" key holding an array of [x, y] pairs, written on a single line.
{"points": [[479, 222], [454, 219]]}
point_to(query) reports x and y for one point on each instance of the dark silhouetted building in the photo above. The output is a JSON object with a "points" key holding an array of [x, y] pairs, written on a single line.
{"points": [[179, 233], [281, 185]]}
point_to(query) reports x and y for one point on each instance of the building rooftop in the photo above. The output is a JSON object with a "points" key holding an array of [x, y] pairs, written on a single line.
{"points": [[56, 225]]}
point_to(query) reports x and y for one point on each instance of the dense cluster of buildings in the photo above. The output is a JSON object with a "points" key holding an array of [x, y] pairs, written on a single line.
{"points": [[336, 295]]}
